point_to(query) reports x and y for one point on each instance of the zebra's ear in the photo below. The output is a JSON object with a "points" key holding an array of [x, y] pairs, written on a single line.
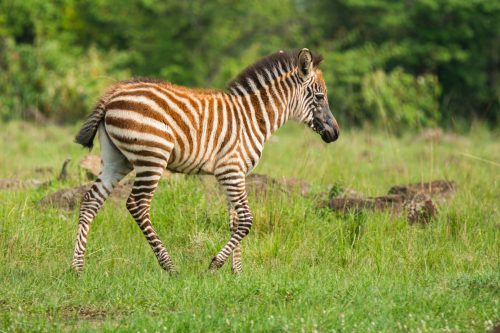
{"points": [[305, 62]]}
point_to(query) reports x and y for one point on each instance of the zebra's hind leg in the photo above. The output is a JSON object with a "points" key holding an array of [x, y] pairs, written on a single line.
{"points": [[139, 205], [236, 266], [115, 167]]}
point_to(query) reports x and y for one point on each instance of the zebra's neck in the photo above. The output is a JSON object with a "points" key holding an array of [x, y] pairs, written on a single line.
{"points": [[265, 107]]}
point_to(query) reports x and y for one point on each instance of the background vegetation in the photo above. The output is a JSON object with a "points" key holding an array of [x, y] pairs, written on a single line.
{"points": [[405, 64], [393, 67], [306, 269]]}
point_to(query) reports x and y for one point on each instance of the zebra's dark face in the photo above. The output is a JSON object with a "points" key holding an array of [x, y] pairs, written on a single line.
{"points": [[315, 111]]}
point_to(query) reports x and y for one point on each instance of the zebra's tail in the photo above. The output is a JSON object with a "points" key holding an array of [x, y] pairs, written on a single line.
{"points": [[87, 133]]}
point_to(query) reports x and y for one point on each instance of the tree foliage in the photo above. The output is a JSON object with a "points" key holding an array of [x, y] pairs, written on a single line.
{"points": [[416, 62]]}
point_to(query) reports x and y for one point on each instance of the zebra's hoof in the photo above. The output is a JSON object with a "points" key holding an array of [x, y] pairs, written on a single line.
{"points": [[172, 272], [236, 270], [78, 270], [77, 265], [170, 269], [215, 264]]}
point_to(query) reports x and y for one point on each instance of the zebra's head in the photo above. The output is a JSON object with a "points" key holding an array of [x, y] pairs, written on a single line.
{"points": [[312, 101]]}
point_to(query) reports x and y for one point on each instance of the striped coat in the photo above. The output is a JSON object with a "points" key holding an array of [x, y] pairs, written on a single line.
{"points": [[149, 126]]}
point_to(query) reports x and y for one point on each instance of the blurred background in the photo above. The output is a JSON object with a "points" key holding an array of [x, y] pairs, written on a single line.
{"points": [[401, 64]]}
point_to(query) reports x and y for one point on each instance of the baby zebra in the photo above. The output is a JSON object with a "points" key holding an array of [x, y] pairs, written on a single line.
{"points": [[149, 126]]}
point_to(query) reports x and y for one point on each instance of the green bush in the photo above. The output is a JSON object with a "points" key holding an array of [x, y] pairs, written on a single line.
{"points": [[344, 71], [401, 100], [48, 80], [55, 56]]}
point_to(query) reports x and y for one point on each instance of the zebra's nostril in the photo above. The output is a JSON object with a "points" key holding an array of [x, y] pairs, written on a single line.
{"points": [[336, 132]]}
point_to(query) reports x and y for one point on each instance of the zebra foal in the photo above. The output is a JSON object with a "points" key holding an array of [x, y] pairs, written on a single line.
{"points": [[149, 126]]}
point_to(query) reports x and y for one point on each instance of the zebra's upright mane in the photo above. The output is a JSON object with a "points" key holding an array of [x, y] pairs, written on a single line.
{"points": [[287, 60]]}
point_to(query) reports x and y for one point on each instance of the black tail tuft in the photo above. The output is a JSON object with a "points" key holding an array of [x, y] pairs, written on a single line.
{"points": [[87, 133]]}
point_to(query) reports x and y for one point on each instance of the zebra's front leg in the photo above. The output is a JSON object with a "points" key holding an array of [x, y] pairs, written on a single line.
{"points": [[236, 266], [233, 184]]}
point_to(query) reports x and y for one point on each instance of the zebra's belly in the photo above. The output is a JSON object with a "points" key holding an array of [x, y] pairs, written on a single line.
{"points": [[192, 164]]}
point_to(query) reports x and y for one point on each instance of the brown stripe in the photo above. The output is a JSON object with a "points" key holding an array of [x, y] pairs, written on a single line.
{"points": [[234, 124], [246, 127], [268, 109], [138, 182], [141, 142], [138, 197], [143, 152], [182, 106], [149, 174], [137, 107], [138, 162], [259, 113], [129, 124], [205, 155], [181, 124]]}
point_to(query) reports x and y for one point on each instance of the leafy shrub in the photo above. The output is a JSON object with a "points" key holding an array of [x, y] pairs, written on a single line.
{"points": [[48, 79], [401, 100], [206, 43], [362, 92], [344, 71]]}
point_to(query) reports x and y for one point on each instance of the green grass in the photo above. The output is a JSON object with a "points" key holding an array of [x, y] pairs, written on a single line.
{"points": [[305, 269]]}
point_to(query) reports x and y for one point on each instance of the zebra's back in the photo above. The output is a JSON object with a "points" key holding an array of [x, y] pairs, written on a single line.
{"points": [[157, 123]]}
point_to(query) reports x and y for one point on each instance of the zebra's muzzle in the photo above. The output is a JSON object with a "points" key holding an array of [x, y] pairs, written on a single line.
{"points": [[328, 129], [330, 135]]}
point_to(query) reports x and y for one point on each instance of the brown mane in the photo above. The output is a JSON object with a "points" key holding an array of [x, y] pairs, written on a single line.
{"points": [[287, 60]]}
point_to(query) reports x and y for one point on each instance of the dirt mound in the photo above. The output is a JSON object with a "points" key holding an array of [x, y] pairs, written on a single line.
{"points": [[436, 188], [92, 165], [70, 198], [16, 184], [259, 184], [417, 200]]}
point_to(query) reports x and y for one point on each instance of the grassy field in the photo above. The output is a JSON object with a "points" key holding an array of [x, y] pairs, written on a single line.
{"points": [[306, 269]]}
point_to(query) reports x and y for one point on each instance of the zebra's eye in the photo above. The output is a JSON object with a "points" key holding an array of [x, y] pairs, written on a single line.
{"points": [[319, 96]]}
